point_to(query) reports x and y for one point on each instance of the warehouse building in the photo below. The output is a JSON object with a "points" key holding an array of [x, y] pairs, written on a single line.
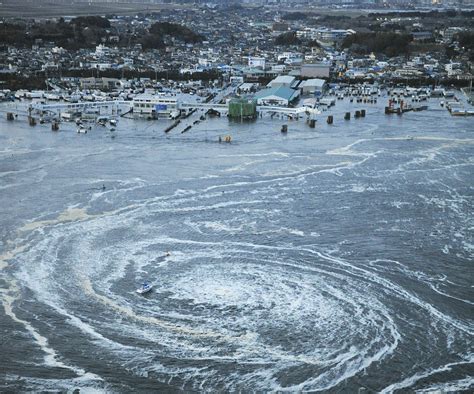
{"points": [[281, 96]]}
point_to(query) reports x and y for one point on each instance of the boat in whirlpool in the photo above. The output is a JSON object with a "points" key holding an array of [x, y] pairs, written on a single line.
{"points": [[146, 287]]}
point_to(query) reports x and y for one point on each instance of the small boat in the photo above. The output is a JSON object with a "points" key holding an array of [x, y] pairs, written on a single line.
{"points": [[145, 288]]}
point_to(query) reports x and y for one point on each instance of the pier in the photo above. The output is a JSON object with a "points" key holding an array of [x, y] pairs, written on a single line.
{"points": [[115, 104]]}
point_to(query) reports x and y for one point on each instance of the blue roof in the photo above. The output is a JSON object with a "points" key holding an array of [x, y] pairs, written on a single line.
{"points": [[280, 91]]}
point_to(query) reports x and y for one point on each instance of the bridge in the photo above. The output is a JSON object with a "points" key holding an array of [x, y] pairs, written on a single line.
{"points": [[288, 111], [81, 106], [58, 107], [260, 108], [205, 106]]}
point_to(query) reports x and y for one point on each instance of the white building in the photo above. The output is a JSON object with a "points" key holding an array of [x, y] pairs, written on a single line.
{"points": [[155, 106], [102, 50], [291, 58], [257, 62], [313, 86]]}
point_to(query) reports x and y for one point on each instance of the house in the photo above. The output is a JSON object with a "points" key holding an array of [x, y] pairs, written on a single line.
{"points": [[280, 96]]}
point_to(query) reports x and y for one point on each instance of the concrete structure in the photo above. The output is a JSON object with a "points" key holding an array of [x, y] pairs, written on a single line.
{"points": [[278, 96], [315, 70]]}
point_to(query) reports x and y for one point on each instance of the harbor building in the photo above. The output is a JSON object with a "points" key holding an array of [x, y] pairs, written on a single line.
{"points": [[314, 86], [279, 96], [155, 106]]}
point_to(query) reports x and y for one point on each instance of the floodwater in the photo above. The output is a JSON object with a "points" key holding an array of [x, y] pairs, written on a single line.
{"points": [[338, 258]]}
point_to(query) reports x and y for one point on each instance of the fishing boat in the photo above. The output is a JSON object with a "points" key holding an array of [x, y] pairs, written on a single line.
{"points": [[145, 288]]}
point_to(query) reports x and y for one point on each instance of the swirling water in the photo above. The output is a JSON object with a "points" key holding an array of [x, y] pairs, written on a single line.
{"points": [[332, 259]]}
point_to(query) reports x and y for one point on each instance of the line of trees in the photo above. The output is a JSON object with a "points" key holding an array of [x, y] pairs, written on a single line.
{"points": [[390, 44], [80, 32], [88, 31]]}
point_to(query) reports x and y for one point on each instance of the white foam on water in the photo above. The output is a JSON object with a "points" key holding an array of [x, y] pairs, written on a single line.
{"points": [[220, 301], [412, 380], [87, 383], [449, 387], [51, 358]]}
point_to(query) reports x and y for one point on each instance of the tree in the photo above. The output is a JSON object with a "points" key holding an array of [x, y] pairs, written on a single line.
{"points": [[289, 38], [175, 30]]}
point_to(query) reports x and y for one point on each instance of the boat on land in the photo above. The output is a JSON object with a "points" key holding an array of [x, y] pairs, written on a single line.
{"points": [[145, 288]]}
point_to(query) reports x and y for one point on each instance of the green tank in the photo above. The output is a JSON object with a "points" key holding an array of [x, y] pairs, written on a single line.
{"points": [[242, 109]]}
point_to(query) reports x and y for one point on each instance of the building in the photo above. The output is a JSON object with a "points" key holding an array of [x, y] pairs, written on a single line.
{"points": [[313, 86], [451, 32], [283, 80], [102, 50], [290, 58], [315, 70], [422, 35], [155, 106], [247, 87], [281, 96], [257, 62], [99, 83], [332, 35]]}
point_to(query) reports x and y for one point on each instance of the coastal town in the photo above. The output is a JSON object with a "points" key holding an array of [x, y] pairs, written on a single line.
{"points": [[168, 62]]}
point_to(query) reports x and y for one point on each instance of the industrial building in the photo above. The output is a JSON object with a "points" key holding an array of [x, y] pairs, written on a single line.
{"points": [[315, 70], [278, 96], [283, 80], [314, 86]]}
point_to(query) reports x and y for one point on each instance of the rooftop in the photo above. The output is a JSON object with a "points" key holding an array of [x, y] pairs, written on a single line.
{"points": [[313, 82], [280, 91]]}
